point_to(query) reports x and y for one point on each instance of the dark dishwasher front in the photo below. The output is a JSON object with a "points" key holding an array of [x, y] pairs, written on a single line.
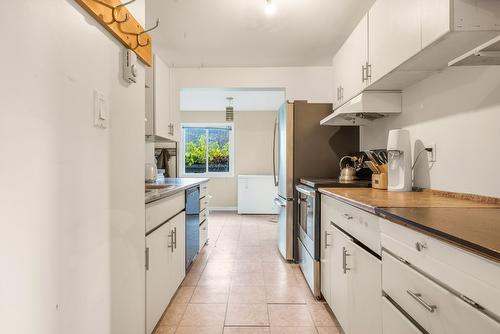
{"points": [[192, 224]]}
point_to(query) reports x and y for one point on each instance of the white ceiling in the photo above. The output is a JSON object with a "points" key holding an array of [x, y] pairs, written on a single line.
{"points": [[211, 99], [215, 33]]}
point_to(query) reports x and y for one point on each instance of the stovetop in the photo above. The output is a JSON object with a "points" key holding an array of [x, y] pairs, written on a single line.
{"points": [[322, 183]]}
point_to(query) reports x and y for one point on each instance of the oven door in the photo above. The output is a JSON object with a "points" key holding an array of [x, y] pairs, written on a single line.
{"points": [[307, 217]]}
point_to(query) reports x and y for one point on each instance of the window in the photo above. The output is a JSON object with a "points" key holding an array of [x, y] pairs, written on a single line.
{"points": [[207, 150]]}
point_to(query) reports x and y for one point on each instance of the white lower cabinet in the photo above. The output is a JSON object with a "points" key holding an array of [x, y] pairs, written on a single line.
{"points": [[203, 234], [435, 308], [165, 267], [355, 286], [394, 322]]}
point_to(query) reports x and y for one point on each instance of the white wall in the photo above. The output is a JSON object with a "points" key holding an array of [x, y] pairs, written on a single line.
{"points": [[253, 140], [459, 111], [301, 83], [72, 200]]}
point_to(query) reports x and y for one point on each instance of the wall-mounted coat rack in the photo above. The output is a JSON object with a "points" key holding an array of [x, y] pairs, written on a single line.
{"points": [[115, 17]]}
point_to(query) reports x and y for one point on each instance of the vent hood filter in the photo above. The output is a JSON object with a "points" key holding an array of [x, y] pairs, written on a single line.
{"points": [[365, 108]]}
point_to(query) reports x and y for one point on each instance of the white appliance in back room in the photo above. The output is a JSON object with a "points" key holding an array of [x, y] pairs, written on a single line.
{"points": [[399, 160]]}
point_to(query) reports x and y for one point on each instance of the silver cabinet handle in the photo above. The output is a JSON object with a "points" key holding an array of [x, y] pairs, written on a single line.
{"points": [[420, 246], [345, 254], [147, 258], [418, 298], [326, 240], [348, 216], [368, 71], [171, 246], [175, 237]]}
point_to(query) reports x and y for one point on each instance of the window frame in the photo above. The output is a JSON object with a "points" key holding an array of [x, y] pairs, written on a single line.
{"points": [[182, 156]]}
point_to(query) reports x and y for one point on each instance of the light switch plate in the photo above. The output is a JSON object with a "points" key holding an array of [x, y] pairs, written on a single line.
{"points": [[101, 110]]}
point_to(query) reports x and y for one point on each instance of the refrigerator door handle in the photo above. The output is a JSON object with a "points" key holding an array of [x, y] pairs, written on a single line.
{"points": [[276, 180]]}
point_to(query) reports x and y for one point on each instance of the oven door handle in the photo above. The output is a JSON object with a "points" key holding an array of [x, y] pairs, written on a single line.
{"points": [[305, 190]]}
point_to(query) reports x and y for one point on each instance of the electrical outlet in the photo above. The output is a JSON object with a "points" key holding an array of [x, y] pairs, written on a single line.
{"points": [[433, 152]]}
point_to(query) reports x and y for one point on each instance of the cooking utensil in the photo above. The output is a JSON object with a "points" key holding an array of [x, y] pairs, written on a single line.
{"points": [[347, 173], [382, 156], [373, 167]]}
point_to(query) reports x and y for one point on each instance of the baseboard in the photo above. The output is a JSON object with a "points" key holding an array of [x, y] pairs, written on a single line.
{"points": [[222, 208]]}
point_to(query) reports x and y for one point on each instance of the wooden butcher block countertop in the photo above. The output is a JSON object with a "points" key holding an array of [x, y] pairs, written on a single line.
{"points": [[473, 224]]}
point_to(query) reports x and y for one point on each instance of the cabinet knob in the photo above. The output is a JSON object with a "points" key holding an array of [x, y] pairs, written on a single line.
{"points": [[420, 246], [348, 216]]}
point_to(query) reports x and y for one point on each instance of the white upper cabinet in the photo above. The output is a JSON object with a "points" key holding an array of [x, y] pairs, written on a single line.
{"points": [[406, 41], [161, 118], [436, 20], [394, 35], [350, 63]]}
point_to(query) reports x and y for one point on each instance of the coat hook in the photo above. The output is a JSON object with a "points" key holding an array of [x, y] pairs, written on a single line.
{"points": [[114, 10], [152, 28], [138, 36]]}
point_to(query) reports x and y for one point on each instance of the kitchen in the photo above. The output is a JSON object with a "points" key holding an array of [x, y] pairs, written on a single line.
{"points": [[429, 67]]}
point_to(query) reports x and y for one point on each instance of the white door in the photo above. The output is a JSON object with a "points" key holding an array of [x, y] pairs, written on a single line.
{"points": [[341, 295], [178, 228], [158, 274], [325, 258], [352, 58], [162, 115], [365, 272], [394, 34]]}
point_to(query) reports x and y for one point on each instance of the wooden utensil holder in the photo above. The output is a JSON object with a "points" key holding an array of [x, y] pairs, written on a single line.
{"points": [[379, 180]]}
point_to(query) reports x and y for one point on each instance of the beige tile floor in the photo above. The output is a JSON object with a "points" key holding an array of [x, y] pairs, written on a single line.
{"points": [[239, 284]]}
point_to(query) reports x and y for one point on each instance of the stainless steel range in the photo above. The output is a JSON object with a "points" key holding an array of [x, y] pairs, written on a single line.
{"points": [[309, 221]]}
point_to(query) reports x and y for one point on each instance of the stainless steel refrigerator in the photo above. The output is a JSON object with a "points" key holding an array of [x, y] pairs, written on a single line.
{"points": [[304, 148]]}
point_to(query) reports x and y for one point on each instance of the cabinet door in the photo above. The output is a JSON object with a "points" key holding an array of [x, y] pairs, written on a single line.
{"points": [[394, 322], [341, 295], [325, 251], [162, 115], [336, 70], [158, 274], [365, 272], [352, 57], [394, 35], [436, 20], [178, 270], [149, 94]]}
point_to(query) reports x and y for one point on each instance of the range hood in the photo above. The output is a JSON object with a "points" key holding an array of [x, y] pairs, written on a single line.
{"points": [[485, 54], [365, 108]]}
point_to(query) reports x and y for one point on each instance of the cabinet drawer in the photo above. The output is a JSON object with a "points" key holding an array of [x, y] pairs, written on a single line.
{"points": [[360, 224], [203, 234], [476, 277], [203, 189], [203, 203], [203, 216], [164, 209], [394, 322], [436, 309]]}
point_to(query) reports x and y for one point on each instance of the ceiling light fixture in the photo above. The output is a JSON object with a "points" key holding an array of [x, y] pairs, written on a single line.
{"points": [[270, 7]]}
